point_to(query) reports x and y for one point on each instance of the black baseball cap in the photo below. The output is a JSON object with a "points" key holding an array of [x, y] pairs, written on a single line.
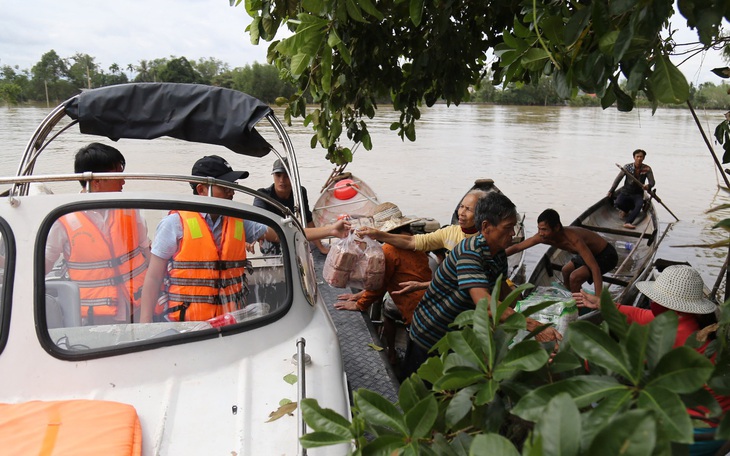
{"points": [[279, 166], [215, 166]]}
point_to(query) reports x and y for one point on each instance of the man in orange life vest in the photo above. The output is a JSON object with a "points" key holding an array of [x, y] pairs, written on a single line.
{"points": [[206, 254], [104, 251]]}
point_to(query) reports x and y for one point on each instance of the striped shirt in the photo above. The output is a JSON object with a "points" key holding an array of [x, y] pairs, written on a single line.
{"points": [[470, 265]]}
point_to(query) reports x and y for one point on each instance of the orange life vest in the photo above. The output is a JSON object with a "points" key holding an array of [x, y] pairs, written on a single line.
{"points": [[204, 280], [109, 268]]}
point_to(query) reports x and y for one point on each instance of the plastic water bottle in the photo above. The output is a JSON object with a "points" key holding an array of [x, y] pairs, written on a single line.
{"points": [[222, 320], [624, 245]]}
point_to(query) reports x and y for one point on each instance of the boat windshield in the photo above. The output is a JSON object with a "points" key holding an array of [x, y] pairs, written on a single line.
{"points": [[121, 276]]}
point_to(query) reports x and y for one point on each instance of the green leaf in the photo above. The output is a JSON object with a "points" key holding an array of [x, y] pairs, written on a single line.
{"points": [[670, 410], [636, 76], [612, 405], [607, 41], [416, 11], [492, 444], [560, 427], [384, 444], [576, 24], [466, 344], [326, 68], [723, 430], [379, 411], [353, 10], [624, 103], [636, 348], [368, 7], [486, 392], [464, 318], [564, 361], [313, 6], [320, 439], [458, 446], [299, 63], [519, 29], [458, 377], [290, 379], [483, 331], [633, 433], [534, 59], [422, 417], [526, 356], [459, 406], [431, 370], [617, 7], [325, 420], [662, 333], [584, 389], [668, 84], [411, 391], [623, 42], [589, 342], [682, 370], [615, 319]]}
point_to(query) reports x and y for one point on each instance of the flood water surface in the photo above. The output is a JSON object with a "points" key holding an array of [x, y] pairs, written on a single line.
{"points": [[541, 157]]}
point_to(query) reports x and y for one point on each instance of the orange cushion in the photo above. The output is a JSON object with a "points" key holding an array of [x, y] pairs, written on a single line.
{"points": [[73, 427]]}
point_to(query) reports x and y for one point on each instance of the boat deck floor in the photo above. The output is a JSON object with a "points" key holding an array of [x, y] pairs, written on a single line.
{"points": [[365, 366]]}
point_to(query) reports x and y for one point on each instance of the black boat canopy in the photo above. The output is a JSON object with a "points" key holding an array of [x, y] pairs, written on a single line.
{"points": [[191, 112]]}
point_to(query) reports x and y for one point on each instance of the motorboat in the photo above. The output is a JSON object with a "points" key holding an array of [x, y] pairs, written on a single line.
{"points": [[227, 385]]}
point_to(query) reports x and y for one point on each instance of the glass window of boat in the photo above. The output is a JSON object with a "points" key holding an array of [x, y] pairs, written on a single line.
{"points": [[118, 276]]}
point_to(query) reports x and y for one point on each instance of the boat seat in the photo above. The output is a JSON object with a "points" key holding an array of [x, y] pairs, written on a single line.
{"points": [[615, 281], [63, 304], [633, 234], [78, 427]]}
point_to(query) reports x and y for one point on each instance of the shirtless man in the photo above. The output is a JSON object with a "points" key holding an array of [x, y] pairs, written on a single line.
{"points": [[593, 255], [443, 238]]}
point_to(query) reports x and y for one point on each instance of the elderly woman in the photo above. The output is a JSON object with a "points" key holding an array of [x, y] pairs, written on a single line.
{"points": [[678, 289]]}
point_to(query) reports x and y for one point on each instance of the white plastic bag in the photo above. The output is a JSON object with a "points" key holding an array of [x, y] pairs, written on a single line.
{"points": [[340, 261], [561, 313], [369, 271]]}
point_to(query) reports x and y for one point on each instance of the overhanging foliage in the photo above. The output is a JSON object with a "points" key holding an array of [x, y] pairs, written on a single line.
{"points": [[350, 55]]}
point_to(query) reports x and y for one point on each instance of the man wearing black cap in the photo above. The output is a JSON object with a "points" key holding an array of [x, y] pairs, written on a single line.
{"points": [[281, 191], [184, 238]]}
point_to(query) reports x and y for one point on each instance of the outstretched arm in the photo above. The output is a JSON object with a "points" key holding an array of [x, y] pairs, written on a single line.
{"points": [[526, 244], [338, 229], [402, 241], [323, 249]]}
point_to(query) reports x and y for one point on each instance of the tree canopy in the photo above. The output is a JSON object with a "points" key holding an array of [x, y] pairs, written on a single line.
{"points": [[348, 55]]}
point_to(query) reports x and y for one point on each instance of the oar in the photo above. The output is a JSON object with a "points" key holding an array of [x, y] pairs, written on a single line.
{"points": [[652, 193]]}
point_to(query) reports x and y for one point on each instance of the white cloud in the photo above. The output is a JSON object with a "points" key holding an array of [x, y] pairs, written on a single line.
{"points": [[128, 31]]}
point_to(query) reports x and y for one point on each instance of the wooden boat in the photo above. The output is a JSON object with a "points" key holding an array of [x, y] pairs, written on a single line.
{"points": [[344, 193], [516, 266], [636, 249], [190, 387]]}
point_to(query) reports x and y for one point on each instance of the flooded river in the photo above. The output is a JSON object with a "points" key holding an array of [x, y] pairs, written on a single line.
{"points": [[541, 157]]}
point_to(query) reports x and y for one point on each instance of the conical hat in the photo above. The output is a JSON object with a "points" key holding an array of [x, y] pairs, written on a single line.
{"points": [[387, 217], [678, 288]]}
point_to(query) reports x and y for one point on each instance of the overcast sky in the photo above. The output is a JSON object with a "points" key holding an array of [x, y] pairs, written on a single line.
{"points": [[127, 31]]}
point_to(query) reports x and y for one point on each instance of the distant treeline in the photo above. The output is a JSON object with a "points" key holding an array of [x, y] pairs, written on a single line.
{"points": [[54, 79]]}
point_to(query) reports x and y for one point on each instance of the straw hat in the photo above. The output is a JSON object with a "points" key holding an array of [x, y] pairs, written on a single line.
{"points": [[678, 288], [387, 217]]}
